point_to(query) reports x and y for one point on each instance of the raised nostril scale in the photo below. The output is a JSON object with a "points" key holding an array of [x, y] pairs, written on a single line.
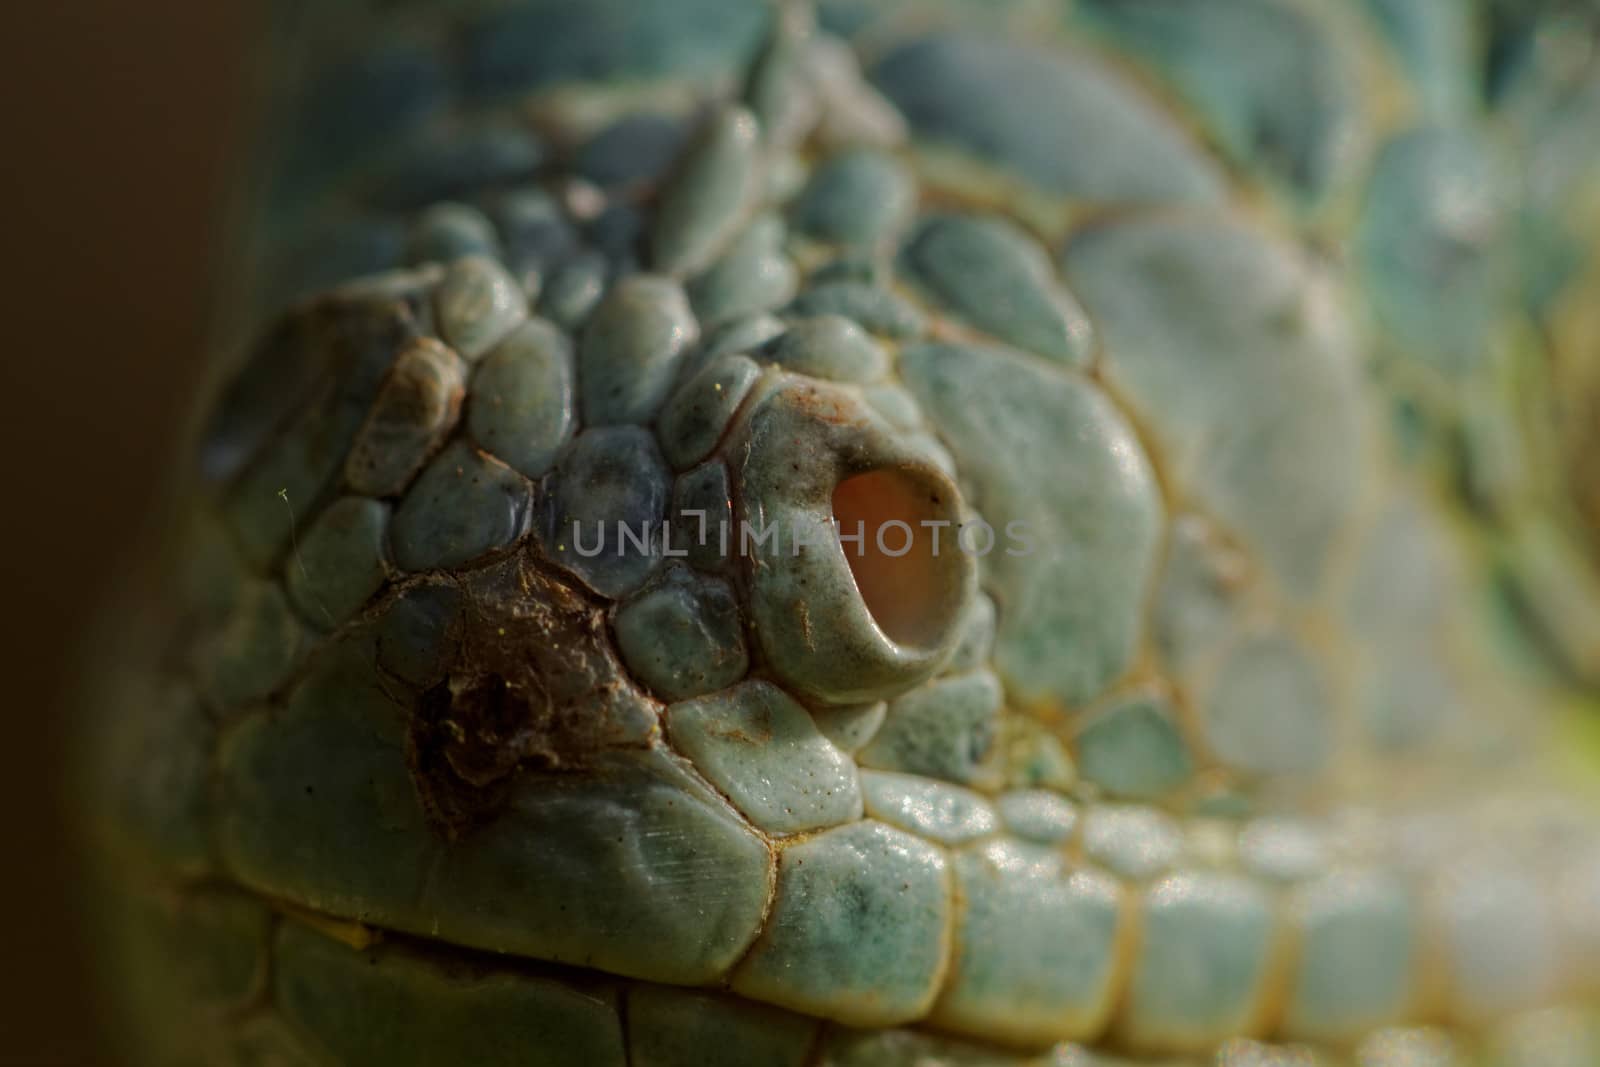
{"points": [[846, 620]]}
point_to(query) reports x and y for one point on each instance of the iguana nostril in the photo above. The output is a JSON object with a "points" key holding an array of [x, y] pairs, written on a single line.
{"points": [[843, 627], [894, 531]]}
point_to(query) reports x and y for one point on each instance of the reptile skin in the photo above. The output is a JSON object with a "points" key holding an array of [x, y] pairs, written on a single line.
{"points": [[1243, 354]]}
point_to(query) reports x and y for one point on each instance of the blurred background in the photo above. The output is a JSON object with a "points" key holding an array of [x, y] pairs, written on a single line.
{"points": [[119, 120]]}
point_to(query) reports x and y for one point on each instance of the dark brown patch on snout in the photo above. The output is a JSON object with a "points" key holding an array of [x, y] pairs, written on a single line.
{"points": [[534, 686]]}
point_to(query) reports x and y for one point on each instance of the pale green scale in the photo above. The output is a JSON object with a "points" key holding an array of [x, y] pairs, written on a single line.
{"points": [[446, 232], [1036, 953], [478, 303], [942, 813], [1268, 712], [682, 637], [521, 406], [1038, 815], [1236, 354], [1137, 843], [752, 276], [858, 197], [698, 414], [1045, 449], [631, 349], [761, 748], [1135, 749], [704, 198], [861, 927], [1359, 942], [991, 274], [879, 310], [830, 347], [1202, 960], [944, 729], [1275, 85]]}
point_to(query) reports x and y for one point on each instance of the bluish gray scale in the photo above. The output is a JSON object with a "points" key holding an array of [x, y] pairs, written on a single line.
{"points": [[417, 636], [477, 304], [340, 562], [696, 417], [1058, 119], [522, 407], [683, 636], [779, 85], [706, 194], [878, 309], [463, 506], [284, 375], [831, 347], [535, 235], [989, 272], [1268, 77], [630, 350], [754, 275], [448, 231], [635, 149], [859, 196], [574, 289], [617, 233], [702, 517], [445, 163], [744, 334], [607, 496], [415, 410], [1433, 241], [533, 46]]}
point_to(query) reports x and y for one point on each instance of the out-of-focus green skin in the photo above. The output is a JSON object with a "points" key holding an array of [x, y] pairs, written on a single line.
{"points": [[1270, 323]]}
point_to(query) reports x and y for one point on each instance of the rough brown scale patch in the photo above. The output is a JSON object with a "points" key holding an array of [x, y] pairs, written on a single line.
{"points": [[534, 685]]}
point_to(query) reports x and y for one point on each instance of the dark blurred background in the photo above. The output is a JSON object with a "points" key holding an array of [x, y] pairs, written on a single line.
{"points": [[119, 122]]}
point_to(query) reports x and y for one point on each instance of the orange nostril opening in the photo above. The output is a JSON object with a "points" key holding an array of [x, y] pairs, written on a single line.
{"points": [[902, 568]]}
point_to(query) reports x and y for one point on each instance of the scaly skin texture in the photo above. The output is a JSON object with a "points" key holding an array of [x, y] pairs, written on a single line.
{"points": [[1246, 344]]}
